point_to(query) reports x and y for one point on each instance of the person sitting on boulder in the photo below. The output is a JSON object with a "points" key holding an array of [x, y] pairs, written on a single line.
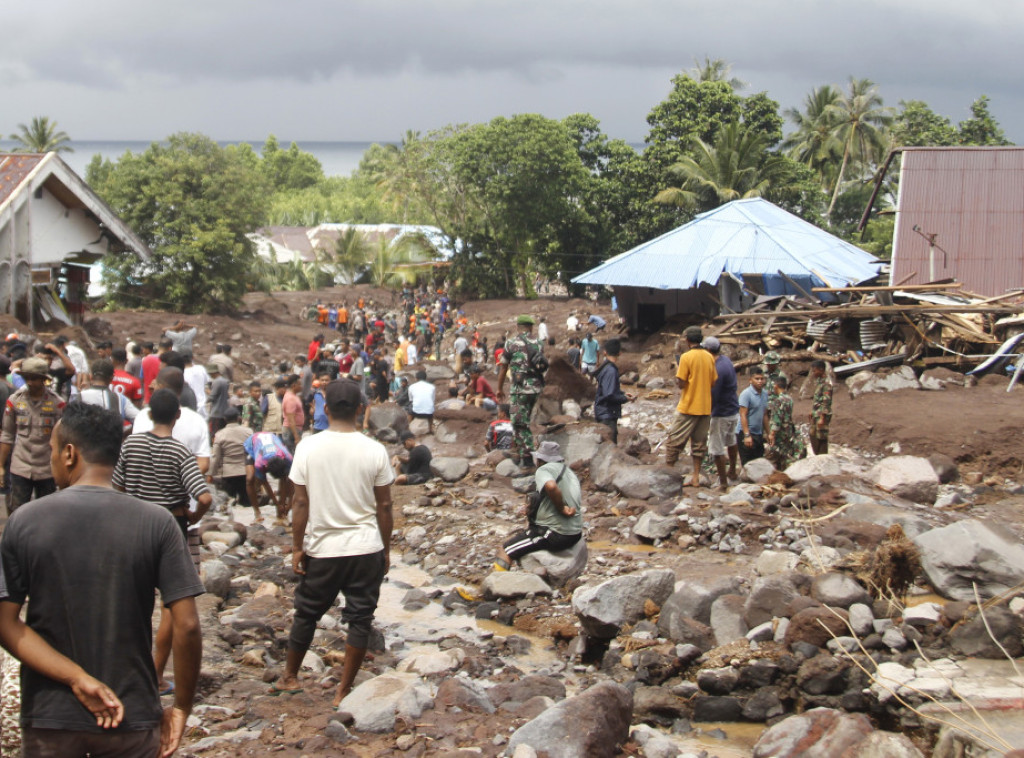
{"points": [[413, 466], [557, 522], [499, 433]]}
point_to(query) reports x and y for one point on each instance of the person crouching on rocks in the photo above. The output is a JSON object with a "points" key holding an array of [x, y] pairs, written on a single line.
{"points": [[557, 522]]}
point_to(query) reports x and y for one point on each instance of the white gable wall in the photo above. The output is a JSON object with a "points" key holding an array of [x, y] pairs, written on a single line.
{"points": [[58, 231]]}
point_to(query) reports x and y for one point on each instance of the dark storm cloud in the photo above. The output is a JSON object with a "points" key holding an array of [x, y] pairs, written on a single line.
{"points": [[944, 51]]}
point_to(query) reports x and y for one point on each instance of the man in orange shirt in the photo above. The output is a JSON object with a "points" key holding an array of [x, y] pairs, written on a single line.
{"points": [[343, 319], [694, 377]]}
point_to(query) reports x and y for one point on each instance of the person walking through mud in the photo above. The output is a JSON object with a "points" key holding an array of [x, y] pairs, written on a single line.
{"points": [[341, 533], [524, 357]]}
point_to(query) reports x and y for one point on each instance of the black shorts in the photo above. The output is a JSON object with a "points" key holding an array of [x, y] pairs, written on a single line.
{"points": [[417, 478], [235, 487], [357, 577]]}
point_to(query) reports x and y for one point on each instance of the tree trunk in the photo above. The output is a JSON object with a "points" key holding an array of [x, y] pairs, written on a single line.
{"points": [[839, 180]]}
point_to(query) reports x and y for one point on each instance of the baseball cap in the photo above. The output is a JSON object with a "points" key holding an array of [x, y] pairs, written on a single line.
{"points": [[712, 343], [343, 392]]}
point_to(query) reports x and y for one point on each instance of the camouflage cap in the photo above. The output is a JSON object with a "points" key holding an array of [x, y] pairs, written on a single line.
{"points": [[772, 358]]}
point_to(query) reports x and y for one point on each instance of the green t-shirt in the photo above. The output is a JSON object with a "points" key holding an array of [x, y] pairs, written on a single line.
{"points": [[551, 517]]}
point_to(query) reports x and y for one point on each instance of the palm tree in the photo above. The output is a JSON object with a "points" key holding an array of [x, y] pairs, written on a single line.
{"points": [[351, 255], [860, 125], [737, 166], [814, 142], [716, 70], [41, 136], [391, 259]]}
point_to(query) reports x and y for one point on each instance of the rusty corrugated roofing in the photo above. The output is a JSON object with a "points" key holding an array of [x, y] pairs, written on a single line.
{"points": [[972, 200], [14, 168]]}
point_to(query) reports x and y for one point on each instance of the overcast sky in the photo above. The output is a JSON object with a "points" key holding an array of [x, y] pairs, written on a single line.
{"points": [[369, 70]]}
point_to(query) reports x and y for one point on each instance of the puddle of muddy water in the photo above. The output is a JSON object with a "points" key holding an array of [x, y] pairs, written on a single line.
{"points": [[598, 545], [738, 742]]}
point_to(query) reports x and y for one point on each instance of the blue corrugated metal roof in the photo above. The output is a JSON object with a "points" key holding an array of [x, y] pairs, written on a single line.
{"points": [[742, 237]]}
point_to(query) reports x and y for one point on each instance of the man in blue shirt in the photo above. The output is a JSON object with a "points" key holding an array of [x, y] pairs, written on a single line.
{"points": [[725, 414], [610, 397], [590, 353], [598, 322], [753, 401]]}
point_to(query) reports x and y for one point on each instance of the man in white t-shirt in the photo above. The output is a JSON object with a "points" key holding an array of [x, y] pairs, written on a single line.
{"points": [[421, 396], [197, 378], [190, 429], [341, 532]]}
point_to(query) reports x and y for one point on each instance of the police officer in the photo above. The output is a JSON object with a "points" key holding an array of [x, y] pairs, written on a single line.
{"points": [[32, 413], [524, 356]]}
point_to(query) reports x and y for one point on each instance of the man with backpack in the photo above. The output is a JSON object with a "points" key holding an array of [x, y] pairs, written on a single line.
{"points": [[524, 357], [99, 393]]}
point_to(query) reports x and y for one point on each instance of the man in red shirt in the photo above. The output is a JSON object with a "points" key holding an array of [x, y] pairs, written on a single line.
{"points": [[479, 391], [123, 382], [346, 359], [151, 367]]}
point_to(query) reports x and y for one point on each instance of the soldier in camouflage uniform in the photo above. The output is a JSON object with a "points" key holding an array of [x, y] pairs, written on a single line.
{"points": [[527, 383], [821, 408], [771, 373], [784, 443]]}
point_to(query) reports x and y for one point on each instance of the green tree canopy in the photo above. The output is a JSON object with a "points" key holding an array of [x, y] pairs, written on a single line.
{"points": [[192, 202], [41, 136], [981, 128], [291, 169]]}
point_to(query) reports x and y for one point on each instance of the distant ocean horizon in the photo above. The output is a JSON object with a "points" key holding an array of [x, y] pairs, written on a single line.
{"points": [[337, 158]]}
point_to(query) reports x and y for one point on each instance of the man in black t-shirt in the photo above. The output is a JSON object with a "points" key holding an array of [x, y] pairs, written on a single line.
{"points": [[91, 610], [412, 467]]}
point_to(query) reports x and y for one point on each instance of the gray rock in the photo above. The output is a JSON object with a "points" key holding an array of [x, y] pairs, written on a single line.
{"points": [[578, 442], [720, 681], [557, 568], [862, 620], [972, 638], [838, 590], [907, 476], [415, 536], [922, 615], [945, 467], [451, 404], [439, 372], [513, 584], [764, 705], [606, 464], [591, 725], [901, 378], [604, 608], [727, 619], [893, 638], [653, 526], [376, 703], [443, 434], [886, 516], [771, 562], [418, 426], [769, 597], [689, 633], [449, 469], [643, 482], [523, 484], [966, 552], [887, 745], [216, 578], [506, 468], [758, 470], [762, 632], [461, 692], [693, 600], [716, 708], [815, 465], [387, 416], [657, 705], [737, 496], [229, 539], [817, 733]]}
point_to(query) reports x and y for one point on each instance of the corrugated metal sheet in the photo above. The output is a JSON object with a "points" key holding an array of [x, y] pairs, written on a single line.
{"points": [[972, 200], [742, 237]]}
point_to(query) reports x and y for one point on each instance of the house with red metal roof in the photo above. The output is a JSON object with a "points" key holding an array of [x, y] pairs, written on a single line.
{"points": [[960, 215], [53, 230]]}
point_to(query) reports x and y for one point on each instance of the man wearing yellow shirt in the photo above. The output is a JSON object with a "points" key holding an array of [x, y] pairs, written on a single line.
{"points": [[695, 375], [401, 357]]}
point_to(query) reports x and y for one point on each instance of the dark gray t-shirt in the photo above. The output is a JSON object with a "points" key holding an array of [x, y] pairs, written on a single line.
{"points": [[219, 397], [90, 558]]}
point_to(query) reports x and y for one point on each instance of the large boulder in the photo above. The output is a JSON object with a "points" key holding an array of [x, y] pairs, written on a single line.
{"points": [[815, 465], [999, 637], [758, 470], [604, 608], [693, 600], [388, 416], [907, 476], [558, 568], [439, 372], [901, 378], [769, 597], [817, 733], [376, 703], [578, 442], [969, 552], [216, 577], [885, 516], [593, 724], [606, 464], [449, 469], [643, 482]]}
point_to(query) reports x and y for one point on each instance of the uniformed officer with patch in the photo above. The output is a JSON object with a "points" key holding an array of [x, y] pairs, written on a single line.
{"points": [[524, 358], [30, 416]]}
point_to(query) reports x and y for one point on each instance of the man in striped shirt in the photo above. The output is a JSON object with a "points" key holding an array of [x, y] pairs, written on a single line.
{"points": [[155, 467]]}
